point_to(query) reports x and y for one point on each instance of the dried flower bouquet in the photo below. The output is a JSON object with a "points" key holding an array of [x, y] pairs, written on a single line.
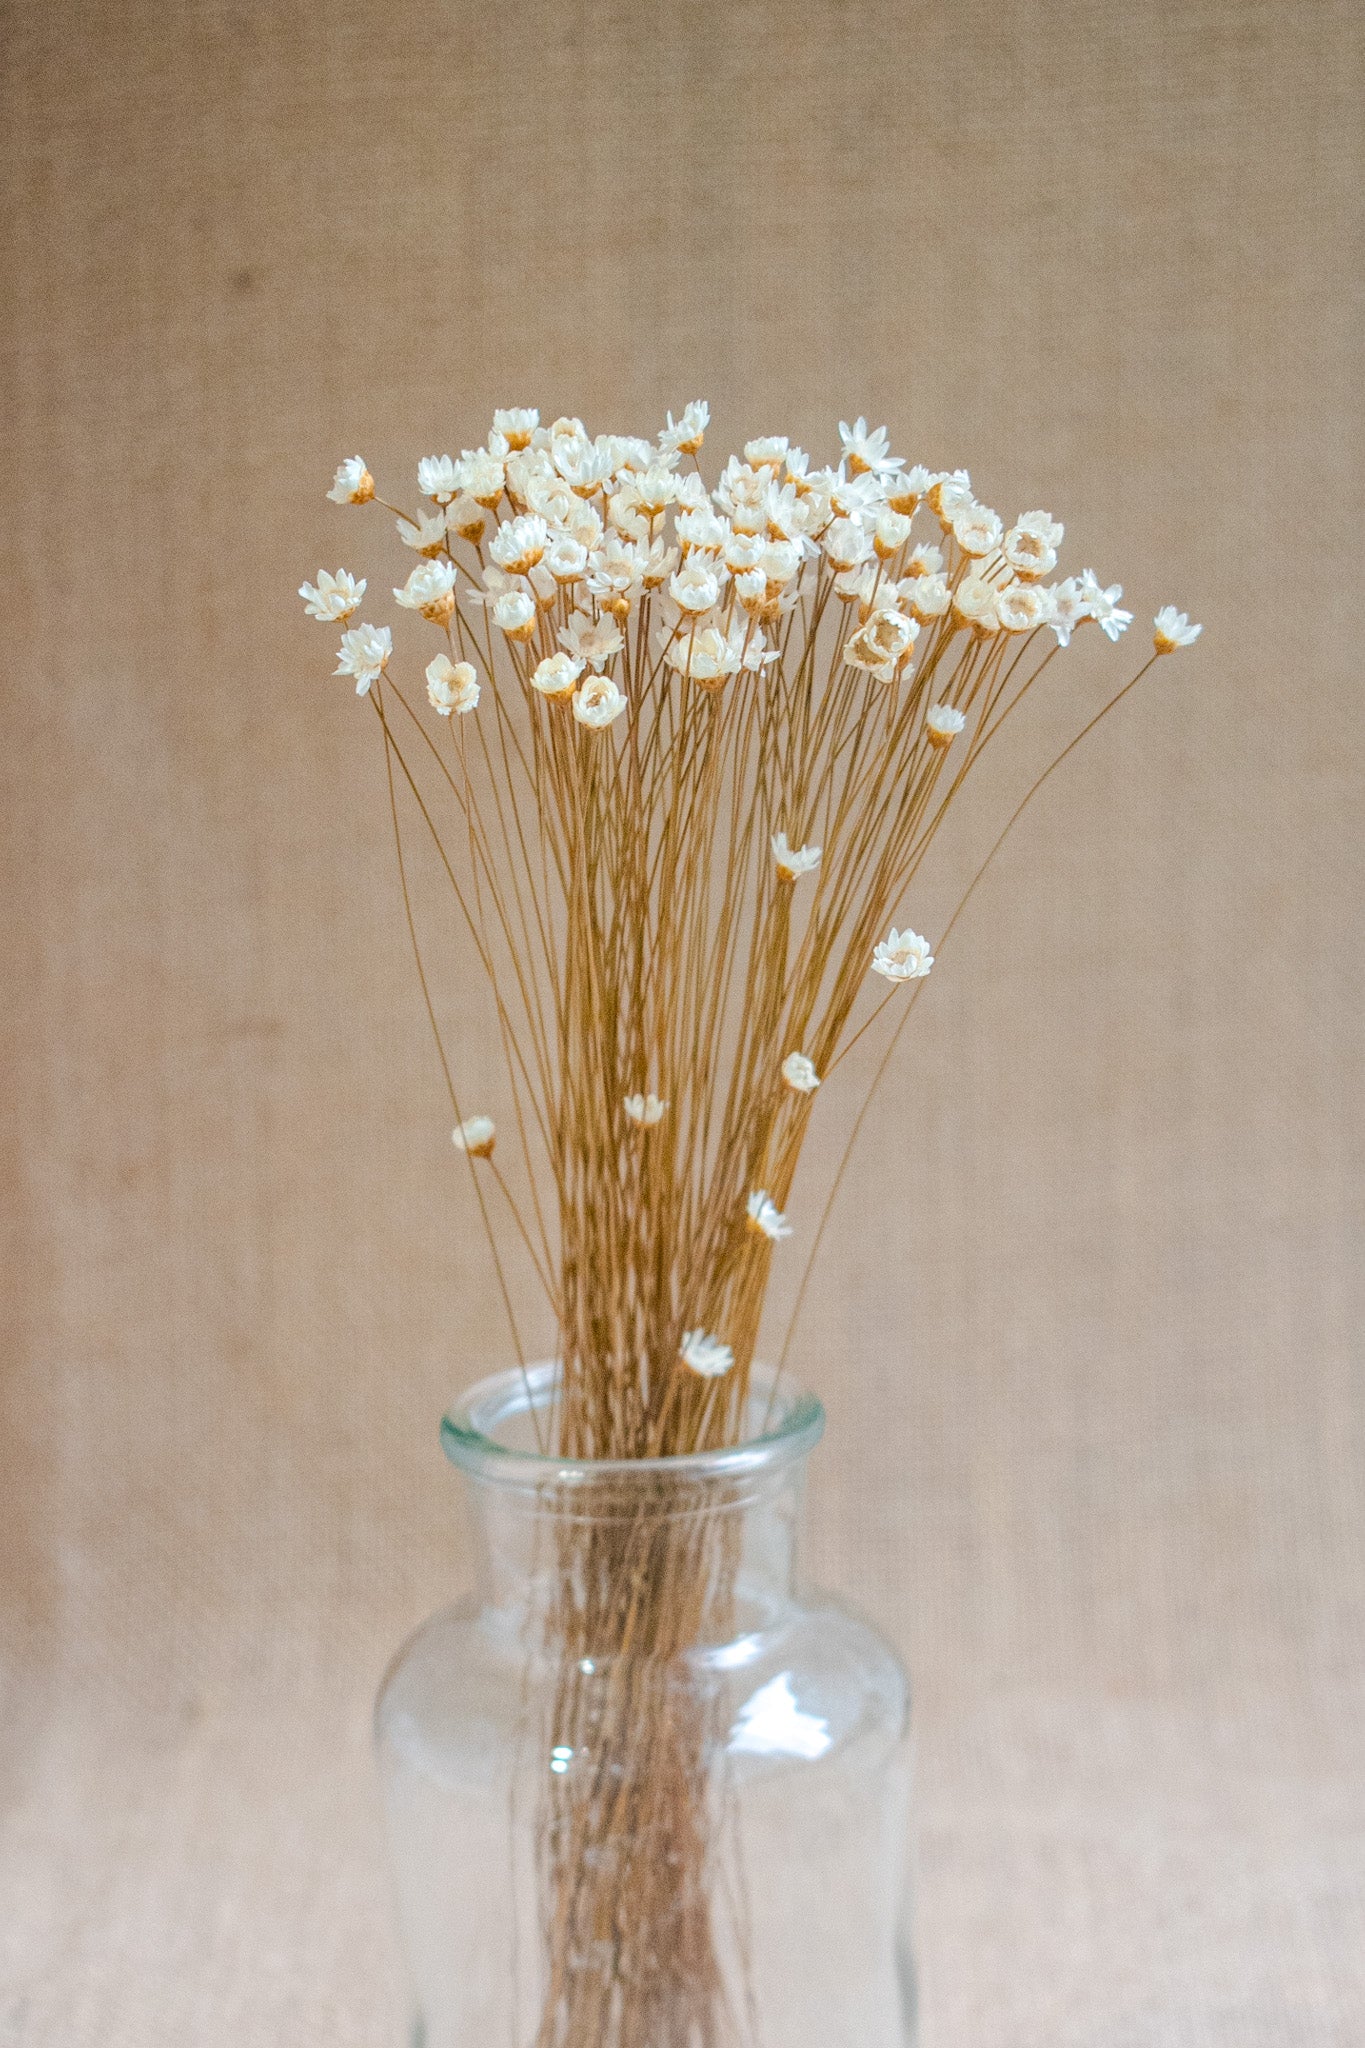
{"points": [[683, 753]]}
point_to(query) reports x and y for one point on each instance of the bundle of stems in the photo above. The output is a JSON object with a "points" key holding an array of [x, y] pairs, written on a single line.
{"points": [[682, 756]]}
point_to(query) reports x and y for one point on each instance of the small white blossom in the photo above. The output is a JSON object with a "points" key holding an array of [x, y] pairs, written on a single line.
{"points": [[516, 424], [476, 1136], [1023, 607], [794, 861], [1068, 609], [644, 1109], [468, 518], [974, 601], [519, 543], [686, 435], [977, 529], [951, 493], [430, 590], [695, 588], [701, 528], [942, 722], [867, 452], [597, 702], [882, 643], [890, 533], [365, 653], [769, 450], [332, 598], [846, 543], [591, 640], [1030, 547], [928, 596], [481, 476], [702, 653], [705, 1355], [438, 478], [427, 535], [925, 560], [1173, 630], [557, 677], [1103, 605], [799, 1074], [515, 614], [451, 685], [902, 956], [566, 559], [765, 1218], [352, 484]]}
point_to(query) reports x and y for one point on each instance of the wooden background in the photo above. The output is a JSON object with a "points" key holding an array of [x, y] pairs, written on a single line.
{"points": [[1088, 1325]]}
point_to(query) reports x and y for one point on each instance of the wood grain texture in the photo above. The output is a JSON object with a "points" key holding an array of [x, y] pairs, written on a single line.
{"points": [[1088, 1324]]}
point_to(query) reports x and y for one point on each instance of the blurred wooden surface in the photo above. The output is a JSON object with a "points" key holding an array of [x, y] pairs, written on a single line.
{"points": [[1088, 1325]]}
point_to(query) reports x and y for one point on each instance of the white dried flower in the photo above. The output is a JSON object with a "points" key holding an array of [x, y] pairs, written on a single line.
{"points": [[928, 596], [516, 423], [1030, 547], [702, 653], [925, 560], [451, 685], [598, 701], [890, 533], [744, 492], [902, 956], [614, 573], [644, 1109], [765, 1218], [695, 587], [430, 590], [468, 518], [591, 640], [705, 1355], [846, 543], [566, 559], [881, 643], [332, 598], [974, 601], [658, 564], [477, 1136], [365, 653], [951, 493], [427, 535], [780, 562], [1068, 609], [904, 492], [751, 588], [744, 551], [515, 614], [557, 677], [1103, 605], [438, 478], [794, 861], [977, 529], [686, 435], [519, 543], [865, 452], [799, 1074], [703, 529], [1173, 630], [942, 723], [770, 451], [352, 484], [482, 477], [1023, 607]]}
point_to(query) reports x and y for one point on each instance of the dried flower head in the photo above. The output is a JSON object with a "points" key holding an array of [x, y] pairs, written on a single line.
{"points": [[902, 956], [644, 1109], [597, 702], [942, 723], [452, 685], [477, 1136], [365, 654], [1173, 630], [799, 1074], [764, 1217], [516, 424], [515, 614], [430, 590], [438, 478], [557, 677], [426, 535], [332, 597], [352, 484], [794, 861], [705, 1355], [1103, 605]]}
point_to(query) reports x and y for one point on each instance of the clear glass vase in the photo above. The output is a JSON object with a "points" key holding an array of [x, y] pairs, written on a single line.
{"points": [[643, 1788]]}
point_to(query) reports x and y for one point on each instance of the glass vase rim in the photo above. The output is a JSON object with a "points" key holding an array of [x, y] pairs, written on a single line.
{"points": [[793, 1424]]}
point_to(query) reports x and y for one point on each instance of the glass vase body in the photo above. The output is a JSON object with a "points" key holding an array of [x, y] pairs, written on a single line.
{"points": [[682, 1832]]}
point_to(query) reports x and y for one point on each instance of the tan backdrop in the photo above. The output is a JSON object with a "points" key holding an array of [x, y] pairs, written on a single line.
{"points": [[1088, 1324]]}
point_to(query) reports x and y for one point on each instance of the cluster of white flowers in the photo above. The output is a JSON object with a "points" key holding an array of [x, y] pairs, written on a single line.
{"points": [[572, 536], [644, 1110]]}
